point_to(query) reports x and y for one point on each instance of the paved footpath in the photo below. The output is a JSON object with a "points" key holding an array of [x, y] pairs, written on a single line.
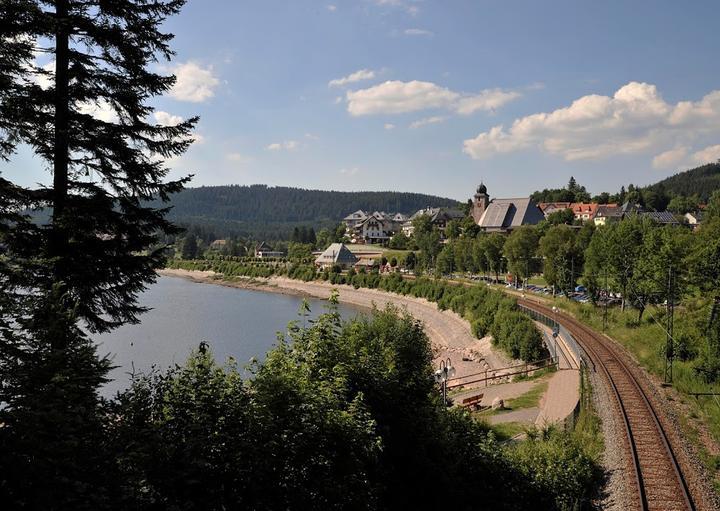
{"points": [[561, 397], [563, 390]]}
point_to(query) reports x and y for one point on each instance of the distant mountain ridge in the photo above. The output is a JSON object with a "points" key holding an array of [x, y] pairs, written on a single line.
{"points": [[701, 181], [261, 211]]}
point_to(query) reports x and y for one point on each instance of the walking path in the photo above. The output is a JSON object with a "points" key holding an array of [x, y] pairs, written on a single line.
{"points": [[561, 397], [563, 391]]}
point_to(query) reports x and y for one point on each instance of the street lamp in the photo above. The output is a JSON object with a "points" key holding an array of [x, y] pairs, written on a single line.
{"points": [[442, 376], [556, 332]]}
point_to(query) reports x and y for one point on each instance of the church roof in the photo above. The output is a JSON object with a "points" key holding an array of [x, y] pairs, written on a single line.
{"points": [[505, 214]]}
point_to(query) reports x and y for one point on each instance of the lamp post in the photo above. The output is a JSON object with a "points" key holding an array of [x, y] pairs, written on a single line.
{"points": [[442, 376], [556, 332]]}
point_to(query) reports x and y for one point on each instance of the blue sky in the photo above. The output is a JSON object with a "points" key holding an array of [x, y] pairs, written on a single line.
{"points": [[433, 96]]}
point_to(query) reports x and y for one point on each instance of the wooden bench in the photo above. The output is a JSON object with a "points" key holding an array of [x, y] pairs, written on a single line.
{"points": [[473, 402]]}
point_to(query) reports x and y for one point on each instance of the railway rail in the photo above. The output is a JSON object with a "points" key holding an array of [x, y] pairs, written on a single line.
{"points": [[659, 483]]}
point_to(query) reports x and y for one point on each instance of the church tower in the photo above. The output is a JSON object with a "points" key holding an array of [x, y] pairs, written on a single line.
{"points": [[480, 204]]}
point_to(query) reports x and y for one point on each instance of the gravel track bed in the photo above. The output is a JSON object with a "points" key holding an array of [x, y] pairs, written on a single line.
{"points": [[706, 499], [615, 494]]}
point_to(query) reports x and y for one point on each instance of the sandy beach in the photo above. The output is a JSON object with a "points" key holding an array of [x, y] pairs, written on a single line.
{"points": [[449, 333]]}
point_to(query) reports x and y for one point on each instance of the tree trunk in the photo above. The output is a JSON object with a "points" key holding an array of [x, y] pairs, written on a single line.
{"points": [[62, 79], [58, 240]]}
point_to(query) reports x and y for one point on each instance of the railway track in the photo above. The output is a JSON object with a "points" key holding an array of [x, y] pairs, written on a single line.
{"points": [[659, 483]]}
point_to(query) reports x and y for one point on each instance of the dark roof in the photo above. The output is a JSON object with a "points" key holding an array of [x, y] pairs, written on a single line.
{"points": [[482, 188], [662, 217], [609, 211], [631, 207], [510, 213]]}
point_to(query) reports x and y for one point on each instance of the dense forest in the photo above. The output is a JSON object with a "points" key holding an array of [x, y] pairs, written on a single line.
{"points": [[264, 212], [679, 193], [700, 181]]}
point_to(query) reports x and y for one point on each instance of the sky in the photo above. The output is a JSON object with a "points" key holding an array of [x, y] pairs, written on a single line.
{"points": [[436, 96]]}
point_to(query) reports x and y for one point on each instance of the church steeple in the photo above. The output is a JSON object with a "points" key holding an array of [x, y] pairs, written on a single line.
{"points": [[480, 204]]}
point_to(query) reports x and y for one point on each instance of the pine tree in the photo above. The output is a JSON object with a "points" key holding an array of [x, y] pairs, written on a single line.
{"points": [[103, 170], [53, 448], [86, 264], [190, 247]]}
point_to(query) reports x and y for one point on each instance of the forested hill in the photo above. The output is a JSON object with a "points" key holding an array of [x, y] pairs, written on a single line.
{"points": [[263, 212], [701, 181]]}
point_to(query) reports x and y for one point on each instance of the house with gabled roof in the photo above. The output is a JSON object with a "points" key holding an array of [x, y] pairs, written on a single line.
{"points": [[264, 251], [439, 217], [336, 254], [607, 213], [355, 218], [693, 218], [549, 208]]}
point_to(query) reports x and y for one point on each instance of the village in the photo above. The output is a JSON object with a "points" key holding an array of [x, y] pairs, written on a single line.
{"points": [[369, 234]]}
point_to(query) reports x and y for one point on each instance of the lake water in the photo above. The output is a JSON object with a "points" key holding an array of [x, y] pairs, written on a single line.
{"points": [[234, 322]]}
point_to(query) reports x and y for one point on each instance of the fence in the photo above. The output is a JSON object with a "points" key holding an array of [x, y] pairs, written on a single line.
{"points": [[580, 355], [490, 376]]}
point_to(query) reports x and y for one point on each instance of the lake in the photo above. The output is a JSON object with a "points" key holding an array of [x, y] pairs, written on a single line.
{"points": [[234, 322]]}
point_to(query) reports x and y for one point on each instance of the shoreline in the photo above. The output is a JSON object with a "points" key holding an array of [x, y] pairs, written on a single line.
{"points": [[449, 333]]}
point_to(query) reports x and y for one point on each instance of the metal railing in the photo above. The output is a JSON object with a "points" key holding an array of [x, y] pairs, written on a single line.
{"points": [[579, 353]]}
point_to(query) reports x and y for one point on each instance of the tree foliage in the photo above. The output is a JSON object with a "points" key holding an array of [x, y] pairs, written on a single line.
{"points": [[98, 244], [339, 416]]}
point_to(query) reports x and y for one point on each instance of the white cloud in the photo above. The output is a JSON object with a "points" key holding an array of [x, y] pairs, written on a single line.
{"points": [[427, 120], [394, 97], [670, 159], [331, 7], [287, 145], [363, 74], [349, 171], [389, 126], [338, 100], [486, 100], [635, 119], [167, 119], [418, 32], [236, 157], [710, 154], [101, 110], [194, 83], [405, 5], [45, 81]]}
